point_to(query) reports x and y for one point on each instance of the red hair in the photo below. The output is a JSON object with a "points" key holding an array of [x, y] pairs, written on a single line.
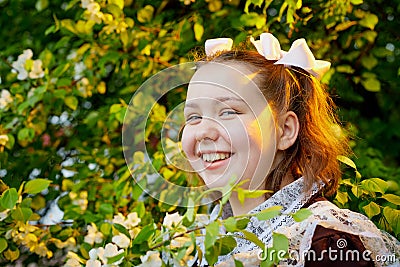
{"points": [[320, 139]]}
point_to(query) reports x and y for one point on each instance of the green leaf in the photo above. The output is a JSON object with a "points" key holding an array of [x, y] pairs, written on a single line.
{"points": [[269, 213], [69, 24], [105, 228], [369, 20], [124, 36], [345, 25], [36, 186], [212, 231], [392, 198], [3, 244], [71, 102], [253, 238], [198, 31], [11, 141], [144, 234], [9, 198], [375, 185], [212, 255], [372, 209], [106, 208], [280, 241], [238, 263], [371, 36], [393, 218], [369, 62], [26, 134], [145, 14], [280, 246], [245, 193], [301, 215], [371, 84], [41, 5], [253, 19], [347, 161], [345, 69], [190, 212], [356, 2], [227, 244], [115, 258], [21, 214], [121, 229], [357, 190], [242, 223], [61, 69], [230, 224], [342, 197]]}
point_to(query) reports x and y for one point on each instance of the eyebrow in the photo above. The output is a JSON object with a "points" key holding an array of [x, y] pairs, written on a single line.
{"points": [[218, 99]]}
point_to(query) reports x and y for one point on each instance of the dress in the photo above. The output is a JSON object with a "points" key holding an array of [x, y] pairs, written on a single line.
{"points": [[348, 238]]}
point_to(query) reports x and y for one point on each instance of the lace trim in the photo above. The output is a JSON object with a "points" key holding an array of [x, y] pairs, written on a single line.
{"points": [[292, 198], [326, 214]]}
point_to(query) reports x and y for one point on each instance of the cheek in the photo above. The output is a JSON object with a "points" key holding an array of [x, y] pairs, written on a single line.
{"points": [[188, 142]]}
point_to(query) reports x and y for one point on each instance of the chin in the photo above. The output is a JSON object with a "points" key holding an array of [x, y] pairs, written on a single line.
{"points": [[217, 182]]}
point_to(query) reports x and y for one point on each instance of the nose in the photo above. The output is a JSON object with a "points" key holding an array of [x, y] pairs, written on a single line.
{"points": [[207, 129]]}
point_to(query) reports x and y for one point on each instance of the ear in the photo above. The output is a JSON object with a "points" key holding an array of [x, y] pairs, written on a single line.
{"points": [[288, 131]]}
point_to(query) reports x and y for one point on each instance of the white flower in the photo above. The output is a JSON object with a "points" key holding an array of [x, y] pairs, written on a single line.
{"points": [[72, 263], [93, 9], [172, 219], [119, 218], [85, 3], [37, 71], [132, 220], [5, 98], [72, 55], [121, 240], [73, 260], [93, 254], [19, 65], [109, 251], [79, 68], [4, 213], [93, 263], [93, 236], [151, 259]]}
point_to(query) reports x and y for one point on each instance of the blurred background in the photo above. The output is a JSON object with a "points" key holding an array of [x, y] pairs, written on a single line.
{"points": [[68, 70]]}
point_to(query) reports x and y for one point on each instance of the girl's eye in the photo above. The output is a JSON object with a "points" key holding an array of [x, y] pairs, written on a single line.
{"points": [[229, 112], [193, 118]]}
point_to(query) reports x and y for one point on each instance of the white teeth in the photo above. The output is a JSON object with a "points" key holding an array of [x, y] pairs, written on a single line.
{"points": [[211, 157]]}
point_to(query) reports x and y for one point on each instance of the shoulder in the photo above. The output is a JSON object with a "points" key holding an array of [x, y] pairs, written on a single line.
{"points": [[331, 247], [344, 237]]}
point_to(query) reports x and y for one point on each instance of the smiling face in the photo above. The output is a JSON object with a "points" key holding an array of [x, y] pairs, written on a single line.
{"points": [[229, 131]]}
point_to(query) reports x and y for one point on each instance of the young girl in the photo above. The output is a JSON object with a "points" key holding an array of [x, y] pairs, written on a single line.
{"points": [[262, 117]]}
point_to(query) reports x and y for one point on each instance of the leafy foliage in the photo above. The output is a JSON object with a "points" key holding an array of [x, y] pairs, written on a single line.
{"points": [[68, 70]]}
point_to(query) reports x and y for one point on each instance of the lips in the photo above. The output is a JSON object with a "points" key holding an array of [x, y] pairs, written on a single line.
{"points": [[215, 160], [215, 156]]}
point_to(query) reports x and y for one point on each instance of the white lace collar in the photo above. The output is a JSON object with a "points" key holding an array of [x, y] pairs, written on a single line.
{"points": [[292, 198]]}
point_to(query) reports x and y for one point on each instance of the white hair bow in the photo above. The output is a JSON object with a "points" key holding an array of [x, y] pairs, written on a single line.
{"points": [[219, 44], [268, 46], [299, 54]]}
